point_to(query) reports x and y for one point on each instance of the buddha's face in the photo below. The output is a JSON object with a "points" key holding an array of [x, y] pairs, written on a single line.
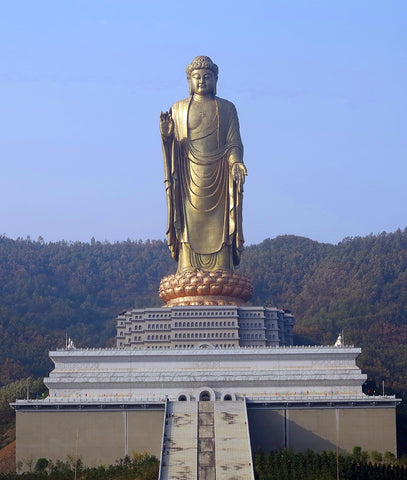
{"points": [[203, 82]]}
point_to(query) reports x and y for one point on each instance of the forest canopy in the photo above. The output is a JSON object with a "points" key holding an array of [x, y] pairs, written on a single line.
{"points": [[49, 290]]}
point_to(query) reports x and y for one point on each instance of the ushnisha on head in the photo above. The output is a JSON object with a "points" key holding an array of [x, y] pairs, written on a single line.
{"points": [[202, 68]]}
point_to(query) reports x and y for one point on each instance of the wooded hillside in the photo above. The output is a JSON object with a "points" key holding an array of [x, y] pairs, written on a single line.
{"points": [[50, 289]]}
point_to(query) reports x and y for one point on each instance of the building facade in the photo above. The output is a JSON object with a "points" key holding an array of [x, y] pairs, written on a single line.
{"points": [[194, 326]]}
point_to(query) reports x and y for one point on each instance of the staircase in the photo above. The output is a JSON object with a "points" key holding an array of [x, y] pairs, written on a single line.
{"points": [[206, 441]]}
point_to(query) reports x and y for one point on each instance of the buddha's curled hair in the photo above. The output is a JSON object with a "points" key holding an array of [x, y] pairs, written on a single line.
{"points": [[201, 62]]}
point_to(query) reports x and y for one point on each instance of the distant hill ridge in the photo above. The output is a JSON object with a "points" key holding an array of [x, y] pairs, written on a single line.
{"points": [[50, 289]]}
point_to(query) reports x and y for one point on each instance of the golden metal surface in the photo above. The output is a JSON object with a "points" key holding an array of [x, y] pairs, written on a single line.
{"points": [[205, 288], [204, 175], [205, 301]]}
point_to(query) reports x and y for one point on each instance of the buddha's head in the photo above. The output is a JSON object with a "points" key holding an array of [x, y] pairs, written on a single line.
{"points": [[202, 75]]}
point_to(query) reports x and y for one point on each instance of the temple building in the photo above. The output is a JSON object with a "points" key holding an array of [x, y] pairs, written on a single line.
{"points": [[191, 327]]}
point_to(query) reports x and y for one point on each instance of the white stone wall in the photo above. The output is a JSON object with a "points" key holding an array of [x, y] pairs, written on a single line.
{"points": [[263, 372]]}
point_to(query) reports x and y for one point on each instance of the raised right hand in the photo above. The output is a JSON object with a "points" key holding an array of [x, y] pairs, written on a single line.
{"points": [[166, 125]]}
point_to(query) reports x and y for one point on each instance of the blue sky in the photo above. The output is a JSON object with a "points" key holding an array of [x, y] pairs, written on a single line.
{"points": [[320, 88]]}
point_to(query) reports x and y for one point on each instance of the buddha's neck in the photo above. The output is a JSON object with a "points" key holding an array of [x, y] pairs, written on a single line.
{"points": [[202, 98]]}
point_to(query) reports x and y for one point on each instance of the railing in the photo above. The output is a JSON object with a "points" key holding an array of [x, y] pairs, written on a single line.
{"points": [[248, 437], [322, 397], [163, 438], [95, 400], [249, 347]]}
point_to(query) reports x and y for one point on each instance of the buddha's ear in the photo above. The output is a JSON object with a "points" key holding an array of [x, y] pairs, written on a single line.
{"points": [[190, 86]]}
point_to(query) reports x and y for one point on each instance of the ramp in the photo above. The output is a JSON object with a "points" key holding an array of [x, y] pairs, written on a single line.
{"points": [[233, 452], [179, 456]]}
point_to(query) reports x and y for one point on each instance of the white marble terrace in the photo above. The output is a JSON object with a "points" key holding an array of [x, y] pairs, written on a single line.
{"points": [[264, 373]]}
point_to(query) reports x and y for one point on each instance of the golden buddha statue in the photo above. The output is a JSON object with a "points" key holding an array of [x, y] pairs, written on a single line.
{"points": [[204, 175]]}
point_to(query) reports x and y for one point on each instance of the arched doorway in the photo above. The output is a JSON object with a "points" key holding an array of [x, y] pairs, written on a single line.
{"points": [[182, 398], [227, 397], [205, 396]]}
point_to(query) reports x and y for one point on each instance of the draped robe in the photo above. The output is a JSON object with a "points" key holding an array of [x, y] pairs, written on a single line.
{"points": [[204, 204]]}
